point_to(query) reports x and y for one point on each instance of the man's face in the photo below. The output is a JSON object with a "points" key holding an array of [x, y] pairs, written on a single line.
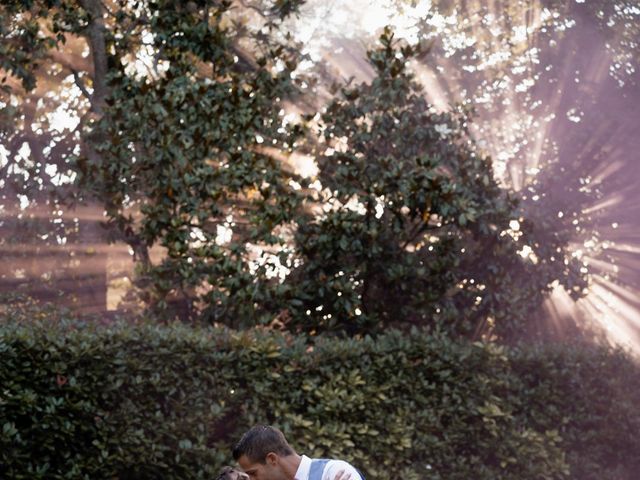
{"points": [[261, 471]]}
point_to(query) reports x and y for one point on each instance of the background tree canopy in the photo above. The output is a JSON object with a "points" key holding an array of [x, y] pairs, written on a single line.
{"points": [[418, 229], [183, 136]]}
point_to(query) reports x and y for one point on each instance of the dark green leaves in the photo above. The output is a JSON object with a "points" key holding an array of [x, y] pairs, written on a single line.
{"points": [[169, 402], [414, 228]]}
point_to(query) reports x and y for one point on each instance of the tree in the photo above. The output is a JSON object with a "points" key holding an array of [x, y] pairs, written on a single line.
{"points": [[179, 139], [176, 112], [45, 246], [417, 230], [181, 160]]}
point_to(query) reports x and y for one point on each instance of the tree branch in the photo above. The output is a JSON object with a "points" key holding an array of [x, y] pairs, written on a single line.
{"points": [[97, 43], [80, 84]]}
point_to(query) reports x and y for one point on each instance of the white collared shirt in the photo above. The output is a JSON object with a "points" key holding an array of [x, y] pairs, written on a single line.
{"points": [[331, 469]]}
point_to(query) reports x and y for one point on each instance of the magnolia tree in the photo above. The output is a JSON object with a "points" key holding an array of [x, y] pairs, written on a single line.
{"points": [[182, 160], [415, 229], [176, 108], [183, 143]]}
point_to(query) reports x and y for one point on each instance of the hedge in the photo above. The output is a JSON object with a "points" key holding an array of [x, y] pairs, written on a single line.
{"points": [[168, 402]]}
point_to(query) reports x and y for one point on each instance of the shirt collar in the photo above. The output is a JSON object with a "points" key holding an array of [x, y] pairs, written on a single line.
{"points": [[303, 469]]}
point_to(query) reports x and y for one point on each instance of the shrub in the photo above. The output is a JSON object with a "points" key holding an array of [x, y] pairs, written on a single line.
{"points": [[592, 396], [168, 402]]}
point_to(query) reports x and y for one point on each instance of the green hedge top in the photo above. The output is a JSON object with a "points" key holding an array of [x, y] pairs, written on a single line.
{"points": [[168, 402]]}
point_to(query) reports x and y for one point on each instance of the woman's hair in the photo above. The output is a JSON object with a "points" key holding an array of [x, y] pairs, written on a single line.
{"points": [[259, 441], [230, 473]]}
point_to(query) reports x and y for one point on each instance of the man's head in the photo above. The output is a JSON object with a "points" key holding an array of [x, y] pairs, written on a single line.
{"points": [[264, 454]]}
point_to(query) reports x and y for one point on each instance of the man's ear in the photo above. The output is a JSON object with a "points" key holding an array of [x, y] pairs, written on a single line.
{"points": [[271, 458]]}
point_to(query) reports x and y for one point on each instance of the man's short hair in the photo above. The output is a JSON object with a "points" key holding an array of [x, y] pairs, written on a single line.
{"points": [[259, 441]]}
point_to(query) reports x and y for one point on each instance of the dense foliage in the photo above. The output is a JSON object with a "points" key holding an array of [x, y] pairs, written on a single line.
{"points": [[182, 135], [183, 138], [181, 162], [162, 99], [168, 402], [418, 229]]}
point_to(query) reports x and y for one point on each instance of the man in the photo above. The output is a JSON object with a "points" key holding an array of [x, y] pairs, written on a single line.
{"points": [[264, 454]]}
